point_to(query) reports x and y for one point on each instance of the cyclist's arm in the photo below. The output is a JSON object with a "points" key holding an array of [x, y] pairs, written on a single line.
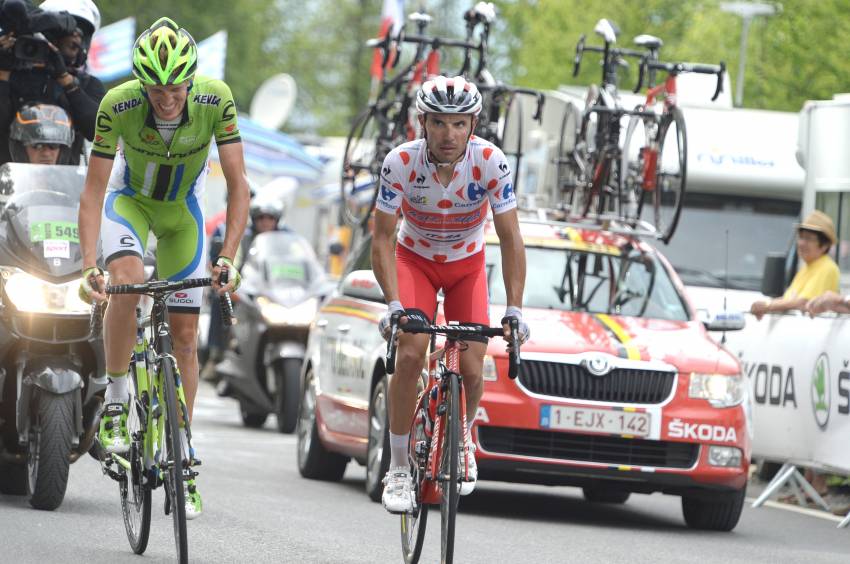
{"points": [[238, 196], [383, 256], [91, 207], [513, 255]]}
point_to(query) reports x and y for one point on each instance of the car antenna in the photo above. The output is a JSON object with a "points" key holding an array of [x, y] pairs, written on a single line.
{"points": [[725, 281]]}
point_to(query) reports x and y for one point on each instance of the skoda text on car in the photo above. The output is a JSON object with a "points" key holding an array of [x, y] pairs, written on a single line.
{"points": [[621, 388]]}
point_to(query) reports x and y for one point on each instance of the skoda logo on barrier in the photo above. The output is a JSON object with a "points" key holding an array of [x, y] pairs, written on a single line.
{"points": [[598, 365], [821, 398]]}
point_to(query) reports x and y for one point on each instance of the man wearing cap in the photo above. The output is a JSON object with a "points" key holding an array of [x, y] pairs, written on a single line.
{"points": [[819, 274]]}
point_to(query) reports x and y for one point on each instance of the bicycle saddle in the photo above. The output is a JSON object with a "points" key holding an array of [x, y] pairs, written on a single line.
{"points": [[648, 41], [607, 29]]}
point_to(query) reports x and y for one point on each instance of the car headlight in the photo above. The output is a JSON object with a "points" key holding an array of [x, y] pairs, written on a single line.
{"points": [[276, 314], [34, 295], [721, 390]]}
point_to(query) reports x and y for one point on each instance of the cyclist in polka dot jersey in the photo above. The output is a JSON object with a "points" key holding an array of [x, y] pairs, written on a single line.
{"points": [[443, 185]]}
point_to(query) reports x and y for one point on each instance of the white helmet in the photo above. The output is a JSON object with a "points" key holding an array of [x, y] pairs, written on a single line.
{"points": [[84, 11], [442, 95]]}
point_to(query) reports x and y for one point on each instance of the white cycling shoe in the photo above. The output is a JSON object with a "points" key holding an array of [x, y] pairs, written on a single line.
{"points": [[398, 491], [469, 470]]}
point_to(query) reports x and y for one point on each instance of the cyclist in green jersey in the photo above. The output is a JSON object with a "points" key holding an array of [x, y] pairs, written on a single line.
{"points": [[146, 174]]}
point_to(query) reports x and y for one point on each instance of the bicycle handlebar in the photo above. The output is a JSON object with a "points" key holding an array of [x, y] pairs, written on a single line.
{"points": [[164, 287], [678, 68], [611, 51], [455, 332]]}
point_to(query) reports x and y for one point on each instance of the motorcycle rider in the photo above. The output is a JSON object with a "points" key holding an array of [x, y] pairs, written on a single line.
{"points": [[41, 134]]}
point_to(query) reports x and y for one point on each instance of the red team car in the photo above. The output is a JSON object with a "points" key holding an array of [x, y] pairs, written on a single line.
{"points": [[621, 388]]}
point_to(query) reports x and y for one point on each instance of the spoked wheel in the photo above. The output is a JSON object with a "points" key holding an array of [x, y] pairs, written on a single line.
{"points": [[359, 180], [413, 525], [174, 463], [510, 133], [632, 166], [449, 484], [135, 493], [571, 159], [665, 202]]}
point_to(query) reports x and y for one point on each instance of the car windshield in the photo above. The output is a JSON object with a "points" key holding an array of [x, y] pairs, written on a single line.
{"points": [[632, 284]]}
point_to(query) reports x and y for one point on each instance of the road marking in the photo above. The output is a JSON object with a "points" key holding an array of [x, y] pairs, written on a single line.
{"points": [[797, 509]]}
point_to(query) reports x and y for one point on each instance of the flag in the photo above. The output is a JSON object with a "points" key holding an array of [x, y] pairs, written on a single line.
{"points": [[212, 52], [111, 51], [392, 17]]}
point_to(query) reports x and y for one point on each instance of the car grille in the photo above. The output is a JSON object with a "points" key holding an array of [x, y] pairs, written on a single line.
{"points": [[587, 448], [622, 385]]}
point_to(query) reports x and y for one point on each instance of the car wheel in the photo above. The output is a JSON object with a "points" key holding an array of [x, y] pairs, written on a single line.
{"points": [[605, 494], [252, 419], [378, 447], [288, 374], [717, 513], [314, 461]]}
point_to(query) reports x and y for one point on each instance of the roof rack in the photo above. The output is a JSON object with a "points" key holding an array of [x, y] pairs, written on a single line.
{"points": [[592, 222]]}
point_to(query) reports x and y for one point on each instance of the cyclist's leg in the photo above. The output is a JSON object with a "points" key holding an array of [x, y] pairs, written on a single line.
{"points": [[179, 228], [124, 232]]}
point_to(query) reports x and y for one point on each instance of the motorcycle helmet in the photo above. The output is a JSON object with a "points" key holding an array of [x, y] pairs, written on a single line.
{"points": [[164, 54], [268, 207], [41, 123], [442, 95]]}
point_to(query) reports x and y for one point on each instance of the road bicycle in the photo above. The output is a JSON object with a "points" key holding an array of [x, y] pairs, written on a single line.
{"points": [[654, 158], [588, 160], [436, 435], [157, 413]]}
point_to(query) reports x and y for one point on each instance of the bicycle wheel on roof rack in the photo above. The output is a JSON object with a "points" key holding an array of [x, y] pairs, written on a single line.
{"points": [[663, 205], [367, 145], [510, 134]]}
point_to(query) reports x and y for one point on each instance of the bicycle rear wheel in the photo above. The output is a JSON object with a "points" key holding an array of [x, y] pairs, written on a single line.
{"points": [[449, 471], [135, 491], [360, 168], [174, 461], [669, 193], [510, 128], [413, 525], [572, 152], [632, 167]]}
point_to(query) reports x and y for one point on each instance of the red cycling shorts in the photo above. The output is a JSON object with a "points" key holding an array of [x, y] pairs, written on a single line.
{"points": [[464, 284]]}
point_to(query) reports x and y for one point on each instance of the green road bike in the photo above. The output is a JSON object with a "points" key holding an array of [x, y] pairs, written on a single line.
{"points": [[157, 412]]}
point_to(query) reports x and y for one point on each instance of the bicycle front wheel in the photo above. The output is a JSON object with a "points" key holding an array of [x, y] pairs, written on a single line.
{"points": [[632, 167], [135, 491], [174, 461], [672, 174], [449, 471], [571, 152], [413, 524], [367, 145]]}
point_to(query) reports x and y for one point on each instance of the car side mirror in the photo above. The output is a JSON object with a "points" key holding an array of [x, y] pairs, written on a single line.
{"points": [[773, 277], [725, 321], [363, 285]]}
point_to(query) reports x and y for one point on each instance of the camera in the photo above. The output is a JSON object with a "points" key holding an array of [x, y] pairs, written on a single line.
{"points": [[32, 49]]}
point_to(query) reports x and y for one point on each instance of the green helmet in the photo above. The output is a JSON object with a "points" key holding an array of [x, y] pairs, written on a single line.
{"points": [[164, 54]]}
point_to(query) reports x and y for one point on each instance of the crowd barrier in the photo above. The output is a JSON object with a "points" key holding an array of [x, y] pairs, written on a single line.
{"points": [[798, 372]]}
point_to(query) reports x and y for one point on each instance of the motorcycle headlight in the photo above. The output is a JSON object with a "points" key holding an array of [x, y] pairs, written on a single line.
{"points": [[721, 390], [276, 314], [34, 295]]}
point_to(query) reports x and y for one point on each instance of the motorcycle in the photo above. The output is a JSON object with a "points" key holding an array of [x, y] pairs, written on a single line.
{"points": [[283, 285], [52, 372]]}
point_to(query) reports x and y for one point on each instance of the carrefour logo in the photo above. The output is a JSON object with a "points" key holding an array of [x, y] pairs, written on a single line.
{"points": [[387, 194], [821, 396]]}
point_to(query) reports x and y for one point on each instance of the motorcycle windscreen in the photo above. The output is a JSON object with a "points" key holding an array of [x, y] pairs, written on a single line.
{"points": [[42, 235]]}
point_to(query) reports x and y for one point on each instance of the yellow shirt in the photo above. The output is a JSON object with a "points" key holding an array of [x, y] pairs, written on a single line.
{"points": [[814, 279]]}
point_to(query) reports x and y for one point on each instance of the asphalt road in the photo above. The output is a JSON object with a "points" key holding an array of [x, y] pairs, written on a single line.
{"points": [[259, 509]]}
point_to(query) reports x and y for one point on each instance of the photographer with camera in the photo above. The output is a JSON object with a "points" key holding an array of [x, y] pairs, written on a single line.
{"points": [[43, 53]]}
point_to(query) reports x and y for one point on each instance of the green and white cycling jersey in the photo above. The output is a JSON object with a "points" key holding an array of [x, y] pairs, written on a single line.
{"points": [[154, 186]]}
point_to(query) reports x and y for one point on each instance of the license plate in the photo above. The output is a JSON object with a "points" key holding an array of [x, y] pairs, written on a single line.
{"points": [[605, 421]]}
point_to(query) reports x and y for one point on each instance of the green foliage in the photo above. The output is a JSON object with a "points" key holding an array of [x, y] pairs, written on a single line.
{"points": [[796, 55]]}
